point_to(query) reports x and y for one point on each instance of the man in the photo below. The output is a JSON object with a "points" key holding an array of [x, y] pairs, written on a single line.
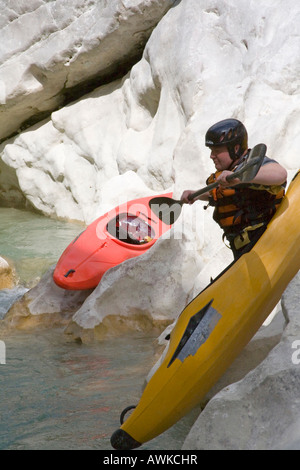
{"points": [[242, 210]]}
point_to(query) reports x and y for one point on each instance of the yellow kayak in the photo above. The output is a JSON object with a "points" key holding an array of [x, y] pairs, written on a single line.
{"points": [[216, 325]]}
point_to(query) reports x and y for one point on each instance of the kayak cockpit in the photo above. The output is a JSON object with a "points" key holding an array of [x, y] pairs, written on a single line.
{"points": [[131, 229]]}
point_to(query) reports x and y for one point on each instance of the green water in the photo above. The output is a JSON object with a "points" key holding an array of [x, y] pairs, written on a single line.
{"points": [[57, 394], [33, 242]]}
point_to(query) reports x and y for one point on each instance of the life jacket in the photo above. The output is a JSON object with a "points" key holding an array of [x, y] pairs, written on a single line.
{"points": [[244, 207]]}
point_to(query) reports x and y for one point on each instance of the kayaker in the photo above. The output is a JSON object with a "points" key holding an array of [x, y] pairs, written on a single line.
{"points": [[242, 210]]}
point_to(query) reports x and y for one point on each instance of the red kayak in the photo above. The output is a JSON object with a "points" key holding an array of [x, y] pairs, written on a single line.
{"points": [[122, 233]]}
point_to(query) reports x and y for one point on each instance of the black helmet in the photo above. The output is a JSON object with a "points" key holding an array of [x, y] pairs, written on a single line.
{"points": [[229, 132]]}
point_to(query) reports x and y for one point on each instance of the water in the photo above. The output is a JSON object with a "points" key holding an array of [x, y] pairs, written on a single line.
{"points": [[33, 242], [57, 394]]}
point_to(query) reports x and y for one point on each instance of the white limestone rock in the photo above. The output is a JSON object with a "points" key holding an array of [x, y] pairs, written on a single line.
{"points": [[203, 62], [48, 48], [44, 305]]}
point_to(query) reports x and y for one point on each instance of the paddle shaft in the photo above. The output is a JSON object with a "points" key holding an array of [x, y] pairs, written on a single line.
{"points": [[229, 178]]}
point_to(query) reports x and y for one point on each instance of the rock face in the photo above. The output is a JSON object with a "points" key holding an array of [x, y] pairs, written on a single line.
{"points": [[203, 62], [44, 305], [261, 411], [50, 48]]}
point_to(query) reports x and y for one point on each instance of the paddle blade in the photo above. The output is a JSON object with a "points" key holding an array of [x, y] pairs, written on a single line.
{"points": [[166, 209], [253, 163]]}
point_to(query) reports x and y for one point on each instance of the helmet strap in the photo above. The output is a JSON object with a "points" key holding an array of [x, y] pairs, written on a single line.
{"points": [[234, 156]]}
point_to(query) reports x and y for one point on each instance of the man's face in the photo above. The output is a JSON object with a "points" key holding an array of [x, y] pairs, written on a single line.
{"points": [[220, 157]]}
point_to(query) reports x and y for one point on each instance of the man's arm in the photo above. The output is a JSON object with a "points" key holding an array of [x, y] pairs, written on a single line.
{"points": [[269, 174]]}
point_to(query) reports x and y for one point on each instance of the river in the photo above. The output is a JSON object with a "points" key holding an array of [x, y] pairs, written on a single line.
{"points": [[55, 393]]}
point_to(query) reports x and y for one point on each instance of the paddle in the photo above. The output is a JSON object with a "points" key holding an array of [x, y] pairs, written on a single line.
{"points": [[168, 210]]}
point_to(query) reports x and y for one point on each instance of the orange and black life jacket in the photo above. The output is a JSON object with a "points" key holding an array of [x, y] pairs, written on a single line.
{"points": [[243, 206]]}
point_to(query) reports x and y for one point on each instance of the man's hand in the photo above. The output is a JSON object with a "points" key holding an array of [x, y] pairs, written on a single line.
{"points": [[185, 195], [222, 179]]}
